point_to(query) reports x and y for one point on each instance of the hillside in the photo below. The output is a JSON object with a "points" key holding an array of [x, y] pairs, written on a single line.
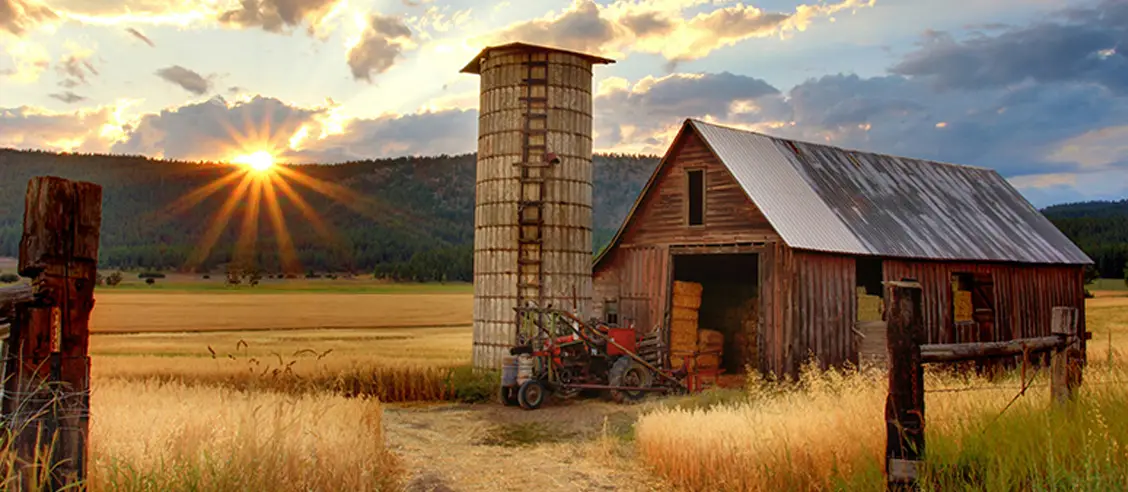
{"points": [[405, 217], [1100, 228]]}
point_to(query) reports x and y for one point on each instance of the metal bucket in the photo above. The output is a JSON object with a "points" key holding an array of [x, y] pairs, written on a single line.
{"points": [[524, 368], [509, 371]]}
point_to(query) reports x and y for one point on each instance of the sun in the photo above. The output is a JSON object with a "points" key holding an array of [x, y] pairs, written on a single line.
{"points": [[260, 161]]}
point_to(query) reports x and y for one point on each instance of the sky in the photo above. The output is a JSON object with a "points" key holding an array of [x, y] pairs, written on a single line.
{"points": [[1035, 89]]}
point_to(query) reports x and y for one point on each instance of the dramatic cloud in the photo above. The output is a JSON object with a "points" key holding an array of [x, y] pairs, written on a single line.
{"points": [[67, 97], [137, 34], [279, 15], [216, 129], [661, 27], [31, 60], [186, 79], [427, 133], [31, 128], [18, 16], [378, 47], [1079, 45]]}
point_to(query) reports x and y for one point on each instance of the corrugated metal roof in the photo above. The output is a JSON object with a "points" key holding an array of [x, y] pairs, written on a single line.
{"points": [[825, 198]]}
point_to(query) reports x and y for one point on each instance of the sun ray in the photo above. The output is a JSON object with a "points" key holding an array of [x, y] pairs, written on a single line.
{"points": [[289, 256], [305, 209], [200, 194], [219, 222], [351, 199], [245, 246]]}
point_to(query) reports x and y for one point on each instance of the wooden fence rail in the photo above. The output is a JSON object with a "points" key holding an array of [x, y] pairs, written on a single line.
{"points": [[904, 408]]}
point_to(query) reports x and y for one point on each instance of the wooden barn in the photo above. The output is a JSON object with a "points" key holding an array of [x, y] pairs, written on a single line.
{"points": [[790, 242]]}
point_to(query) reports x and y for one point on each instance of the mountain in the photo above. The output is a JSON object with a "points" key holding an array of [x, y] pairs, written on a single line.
{"points": [[1098, 227], [405, 218]]}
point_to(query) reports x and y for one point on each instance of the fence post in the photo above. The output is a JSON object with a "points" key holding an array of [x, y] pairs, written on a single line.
{"points": [[1065, 366], [904, 407], [46, 394]]}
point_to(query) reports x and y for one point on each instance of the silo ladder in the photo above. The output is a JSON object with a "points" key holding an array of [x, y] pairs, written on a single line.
{"points": [[533, 168]]}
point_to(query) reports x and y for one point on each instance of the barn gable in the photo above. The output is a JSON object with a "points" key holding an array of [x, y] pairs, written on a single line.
{"points": [[828, 199]]}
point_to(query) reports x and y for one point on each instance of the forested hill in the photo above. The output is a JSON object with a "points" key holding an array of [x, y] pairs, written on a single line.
{"points": [[1100, 228], [410, 217]]}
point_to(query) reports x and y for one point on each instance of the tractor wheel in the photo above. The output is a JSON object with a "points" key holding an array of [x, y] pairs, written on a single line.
{"points": [[628, 372], [531, 394], [509, 396]]}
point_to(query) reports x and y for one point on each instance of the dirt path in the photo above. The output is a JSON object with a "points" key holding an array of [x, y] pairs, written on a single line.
{"points": [[491, 447]]}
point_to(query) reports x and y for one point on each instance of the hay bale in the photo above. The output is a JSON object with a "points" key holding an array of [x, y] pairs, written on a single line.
{"points": [[687, 295], [679, 357], [869, 307], [684, 314], [962, 304], [710, 341], [708, 361]]}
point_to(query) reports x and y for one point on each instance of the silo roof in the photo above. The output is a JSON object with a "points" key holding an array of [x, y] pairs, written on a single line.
{"points": [[474, 65], [830, 199]]}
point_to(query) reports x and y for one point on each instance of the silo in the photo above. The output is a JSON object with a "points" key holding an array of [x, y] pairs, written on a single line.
{"points": [[533, 199]]}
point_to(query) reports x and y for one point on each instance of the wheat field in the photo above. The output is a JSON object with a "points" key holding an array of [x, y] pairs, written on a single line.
{"points": [[829, 434]]}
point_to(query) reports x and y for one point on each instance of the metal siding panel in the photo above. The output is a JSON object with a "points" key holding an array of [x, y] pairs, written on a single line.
{"points": [[886, 205]]}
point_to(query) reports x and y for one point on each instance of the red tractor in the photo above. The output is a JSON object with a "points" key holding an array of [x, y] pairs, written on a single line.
{"points": [[558, 353]]}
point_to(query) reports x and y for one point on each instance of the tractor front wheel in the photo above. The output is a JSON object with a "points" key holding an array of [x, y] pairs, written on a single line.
{"points": [[509, 396], [531, 394], [628, 372]]}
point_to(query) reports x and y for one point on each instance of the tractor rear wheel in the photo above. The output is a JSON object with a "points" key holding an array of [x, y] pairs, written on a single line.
{"points": [[531, 394], [628, 372]]}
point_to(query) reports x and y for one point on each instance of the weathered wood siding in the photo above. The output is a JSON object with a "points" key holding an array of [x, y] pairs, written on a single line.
{"points": [[637, 277], [730, 217], [807, 308], [1025, 295]]}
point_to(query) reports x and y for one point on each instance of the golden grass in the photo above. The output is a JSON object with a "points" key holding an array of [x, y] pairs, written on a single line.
{"points": [[830, 433], [129, 312], [150, 436]]}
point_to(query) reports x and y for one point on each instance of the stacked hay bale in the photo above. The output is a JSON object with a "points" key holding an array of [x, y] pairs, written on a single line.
{"points": [[683, 323], [710, 346]]}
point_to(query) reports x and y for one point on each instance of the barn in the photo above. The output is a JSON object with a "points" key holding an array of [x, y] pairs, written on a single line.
{"points": [[790, 242]]}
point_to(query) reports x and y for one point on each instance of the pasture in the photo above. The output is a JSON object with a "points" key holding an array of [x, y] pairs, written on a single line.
{"points": [[187, 397]]}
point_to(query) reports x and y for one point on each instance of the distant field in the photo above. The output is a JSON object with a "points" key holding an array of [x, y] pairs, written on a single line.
{"points": [[1109, 284], [129, 311]]}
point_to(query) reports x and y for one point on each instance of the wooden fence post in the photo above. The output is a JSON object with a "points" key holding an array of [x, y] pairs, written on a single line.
{"points": [[904, 407], [46, 392], [1065, 367]]}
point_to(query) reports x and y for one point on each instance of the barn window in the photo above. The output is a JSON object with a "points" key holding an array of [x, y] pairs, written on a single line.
{"points": [[696, 197]]}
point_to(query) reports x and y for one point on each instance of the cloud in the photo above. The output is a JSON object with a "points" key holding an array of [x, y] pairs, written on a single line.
{"points": [[379, 46], [137, 34], [662, 27], [278, 15], [19, 16], [76, 67], [27, 127], [1085, 45], [216, 129], [426, 133], [68, 97], [186, 79], [31, 61]]}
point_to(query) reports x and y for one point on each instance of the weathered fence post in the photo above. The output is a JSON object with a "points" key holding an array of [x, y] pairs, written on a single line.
{"points": [[46, 392], [904, 407], [1065, 367]]}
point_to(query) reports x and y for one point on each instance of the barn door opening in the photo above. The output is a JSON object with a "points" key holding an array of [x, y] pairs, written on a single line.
{"points": [[715, 304]]}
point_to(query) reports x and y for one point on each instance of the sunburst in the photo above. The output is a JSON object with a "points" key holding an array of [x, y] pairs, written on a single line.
{"points": [[256, 179]]}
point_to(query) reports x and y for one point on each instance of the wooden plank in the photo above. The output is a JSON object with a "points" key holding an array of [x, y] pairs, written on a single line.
{"points": [[14, 294], [956, 352], [1065, 367], [904, 407]]}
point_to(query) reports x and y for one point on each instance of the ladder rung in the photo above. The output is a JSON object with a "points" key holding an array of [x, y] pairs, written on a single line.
{"points": [[537, 116], [528, 261], [532, 81], [533, 99], [523, 285], [529, 240], [535, 63], [531, 222], [535, 131], [531, 179]]}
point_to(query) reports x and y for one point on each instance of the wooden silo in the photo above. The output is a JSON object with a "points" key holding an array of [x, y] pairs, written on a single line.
{"points": [[533, 200]]}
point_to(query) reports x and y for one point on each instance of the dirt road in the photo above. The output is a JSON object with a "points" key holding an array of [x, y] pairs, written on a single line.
{"points": [[566, 447]]}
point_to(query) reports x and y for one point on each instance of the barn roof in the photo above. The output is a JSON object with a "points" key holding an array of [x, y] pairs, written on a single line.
{"points": [[830, 199]]}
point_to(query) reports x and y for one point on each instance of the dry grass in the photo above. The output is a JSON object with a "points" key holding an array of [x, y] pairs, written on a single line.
{"points": [[130, 312], [150, 436], [830, 434]]}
